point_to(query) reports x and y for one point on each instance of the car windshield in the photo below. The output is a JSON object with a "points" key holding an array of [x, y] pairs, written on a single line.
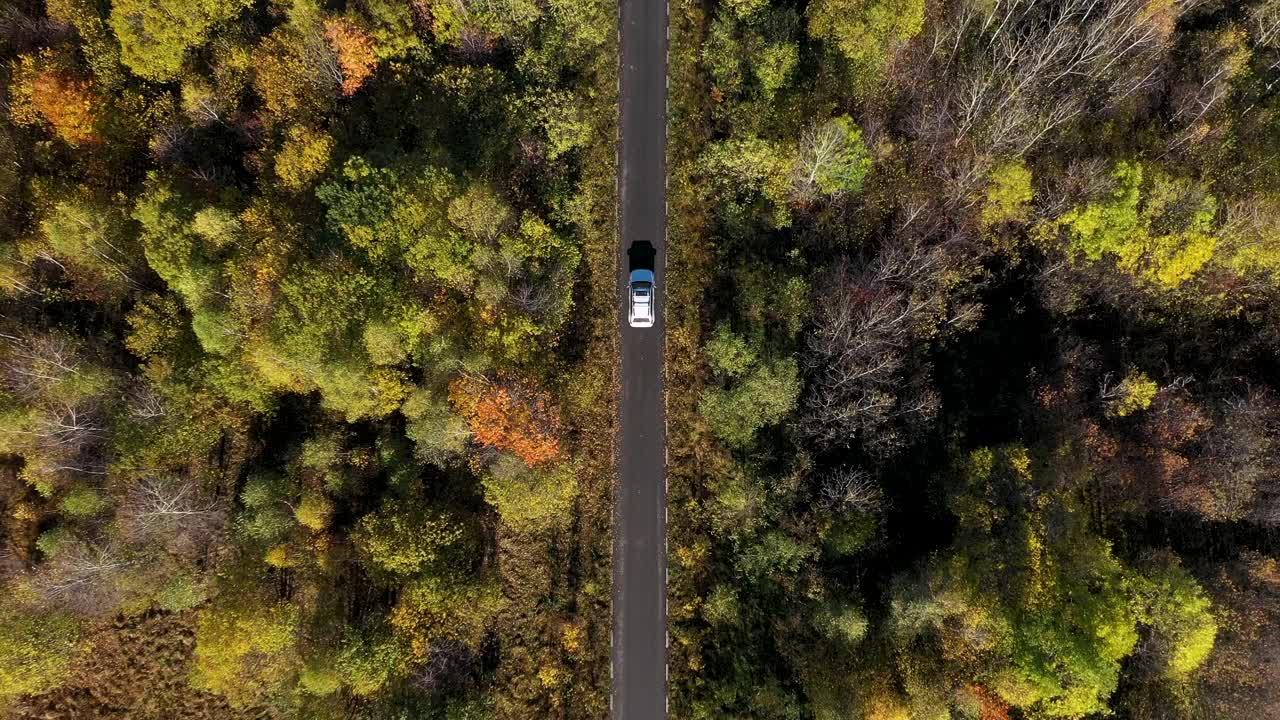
{"points": [[642, 291]]}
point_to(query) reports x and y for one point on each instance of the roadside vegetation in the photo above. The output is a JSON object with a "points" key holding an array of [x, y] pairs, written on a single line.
{"points": [[972, 359], [306, 358]]}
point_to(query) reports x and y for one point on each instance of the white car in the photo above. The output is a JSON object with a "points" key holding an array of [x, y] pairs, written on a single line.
{"points": [[642, 306]]}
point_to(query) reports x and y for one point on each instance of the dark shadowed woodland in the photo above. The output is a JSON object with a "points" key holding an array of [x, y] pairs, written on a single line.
{"points": [[974, 315]]}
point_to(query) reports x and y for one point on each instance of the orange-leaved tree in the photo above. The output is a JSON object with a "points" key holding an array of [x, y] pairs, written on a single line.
{"points": [[509, 415], [44, 91], [990, 705], [355, 53]]}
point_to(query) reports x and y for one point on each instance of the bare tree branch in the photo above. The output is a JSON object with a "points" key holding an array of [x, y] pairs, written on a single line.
{"points": [[850, 489]]}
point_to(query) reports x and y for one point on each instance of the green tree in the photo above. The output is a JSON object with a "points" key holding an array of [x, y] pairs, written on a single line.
{"points": [[765, 396], [320, 680], [155, 35], [750, 179], [1028, 602], [371, 659], [447, 608], [530, 500], [772, 557], [95, 238], [182, 592], [1180, 615], [388, 216], [866, 32], [317, 338], [1132, 394], [776, 67], [392, 26], [314, 511], [267, 517], [842, 622], [406, 538], [728, 353], [437, 432], [562, 119], [360, 205], [503, 18], [303, 158], [722, 606], [743, 9], [295, 71], [83, 502], [187, 245]]}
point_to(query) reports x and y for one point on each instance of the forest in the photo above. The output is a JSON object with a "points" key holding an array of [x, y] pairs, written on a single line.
{"points": [[973, 315], [304, 337], [309, 334]]}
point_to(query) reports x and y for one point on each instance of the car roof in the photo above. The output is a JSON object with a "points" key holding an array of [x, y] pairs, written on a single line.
{"points": [[642, 276]]}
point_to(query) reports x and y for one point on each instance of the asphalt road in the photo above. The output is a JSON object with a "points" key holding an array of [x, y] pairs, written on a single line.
{"points": [[640, 558]]}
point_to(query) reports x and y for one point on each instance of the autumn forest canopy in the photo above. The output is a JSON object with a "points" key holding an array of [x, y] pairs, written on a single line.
{"points": [[975, 304], [308, 359], [298, 358]]}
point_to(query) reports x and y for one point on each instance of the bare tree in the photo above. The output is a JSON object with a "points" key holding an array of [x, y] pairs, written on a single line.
{"points": [[1083, 180], [539, 291], [171, 144], [1241, 678], [31, 363], [475, 43], [62, 425], [10, 565], [999, 79], [1264, 23], [1232, 474], [64, 437], [65, 432], [173, 512], [862, 375], [849, 489], [1205, 83], [82, 578], [1246, 239], [1264, 28], [201, 103], [22, 32], [448, 663], [827, 157], [535, 296], [145, 403]]}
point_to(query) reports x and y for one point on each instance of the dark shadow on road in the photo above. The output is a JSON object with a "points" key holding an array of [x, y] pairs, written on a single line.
{"points": [[641, 256]]}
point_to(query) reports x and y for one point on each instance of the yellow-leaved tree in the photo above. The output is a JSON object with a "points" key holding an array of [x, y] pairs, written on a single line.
{"points": [[1153, 227], [246, 646]]}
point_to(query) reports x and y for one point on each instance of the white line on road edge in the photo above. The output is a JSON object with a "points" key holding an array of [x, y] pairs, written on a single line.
{"points": [[666, 447]]}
